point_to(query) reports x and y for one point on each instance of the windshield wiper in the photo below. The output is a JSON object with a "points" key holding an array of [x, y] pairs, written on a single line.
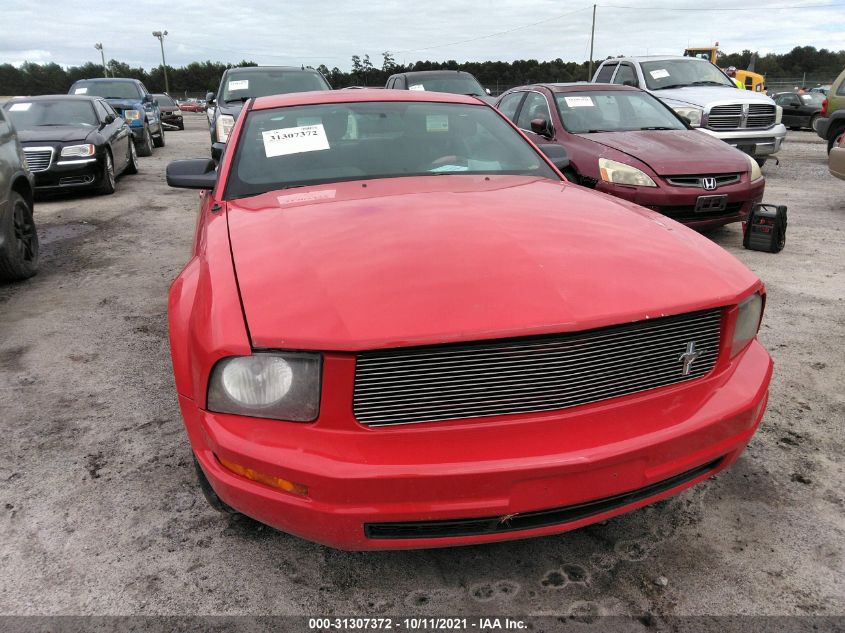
{"points": [[707, 83], [597, 131], [671, 86], [657, 127]]}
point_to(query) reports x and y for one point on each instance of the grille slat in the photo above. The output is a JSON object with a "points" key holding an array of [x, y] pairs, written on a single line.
{"points": [[459, 381], [38, 159]]}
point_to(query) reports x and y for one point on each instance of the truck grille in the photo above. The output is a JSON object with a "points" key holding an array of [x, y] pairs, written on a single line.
{"points": [[741, 116], [38, 158], [469, 380], [725, 117], [760, 115]]}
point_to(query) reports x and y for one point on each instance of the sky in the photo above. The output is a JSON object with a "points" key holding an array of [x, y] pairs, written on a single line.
{"points": [[331, 31]]}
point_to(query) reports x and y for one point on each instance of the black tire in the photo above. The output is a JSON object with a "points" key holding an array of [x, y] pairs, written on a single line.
{"points": [[208, 492], [831, 141], [158, 141], [108, 180], [145, 146], [812, 122], [132, 165], [19, 256], [181, 125]]}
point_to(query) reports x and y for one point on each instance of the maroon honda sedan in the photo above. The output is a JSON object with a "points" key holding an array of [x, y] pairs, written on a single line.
{"points": [[623, 141]]}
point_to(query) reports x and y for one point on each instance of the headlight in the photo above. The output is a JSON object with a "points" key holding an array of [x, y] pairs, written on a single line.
{"points": [[692, 113], [79, 150], [622, 174], [747, 323], [756, 174], [132, 115], [280, 386], [178, 113], [224, 126], [778, 114]]}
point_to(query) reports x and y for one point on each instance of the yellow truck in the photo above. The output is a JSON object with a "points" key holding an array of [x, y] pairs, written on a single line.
{"points": [[748, 78]]}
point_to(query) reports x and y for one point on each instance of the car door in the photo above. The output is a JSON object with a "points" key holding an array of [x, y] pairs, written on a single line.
{"points": [[791, 105], [535, 106], [116, 133]]}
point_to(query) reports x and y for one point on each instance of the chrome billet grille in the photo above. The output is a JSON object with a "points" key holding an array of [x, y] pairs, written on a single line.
{"points": [[698, 181], [469, 380], [38, 158], [725, 117], [760, 115]]}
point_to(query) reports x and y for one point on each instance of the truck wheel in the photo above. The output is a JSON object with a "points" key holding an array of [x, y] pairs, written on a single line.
{"points": [[107, 178], [145, 147], [19, 258], [159, 140]]}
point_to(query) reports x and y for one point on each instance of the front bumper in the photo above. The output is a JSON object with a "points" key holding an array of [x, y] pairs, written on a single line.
{"points": [[757, 143], [173, 119], [70, 173], [497, 467]]}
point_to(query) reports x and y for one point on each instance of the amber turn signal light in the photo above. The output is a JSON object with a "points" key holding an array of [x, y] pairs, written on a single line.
{"points": [[269, 480]]}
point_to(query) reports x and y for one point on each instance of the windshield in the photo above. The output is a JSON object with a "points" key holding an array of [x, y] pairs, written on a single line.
{"points": [[677, 73], [457, 83], [29, 114], [308, 145], [244, 85], [165, 101], [613, 111], [107, 89]]}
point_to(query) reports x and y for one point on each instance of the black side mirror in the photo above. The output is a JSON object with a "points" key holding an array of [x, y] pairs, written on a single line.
{"points": [[209, 98], [109, 119], [217, 151], [194, 173], [148, 98], [555, 153], [542, 127]]}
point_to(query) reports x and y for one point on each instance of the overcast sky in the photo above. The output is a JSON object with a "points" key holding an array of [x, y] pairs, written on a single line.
{"points": [[331, 31]]}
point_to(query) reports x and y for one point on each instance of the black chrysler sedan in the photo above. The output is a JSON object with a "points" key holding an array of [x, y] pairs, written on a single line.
{"points": [[799, 110], [72, 142]]}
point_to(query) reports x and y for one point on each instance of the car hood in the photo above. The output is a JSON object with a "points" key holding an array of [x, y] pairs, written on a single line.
{"points": [[675, 152], [705, 95], [411, 261], [125, 104], [54, 134]]}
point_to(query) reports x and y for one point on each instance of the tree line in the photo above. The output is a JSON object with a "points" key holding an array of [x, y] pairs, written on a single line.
{"points": [[199, 77]]}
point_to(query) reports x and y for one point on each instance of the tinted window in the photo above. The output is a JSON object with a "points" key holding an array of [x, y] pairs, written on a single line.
{"points": [[613, 111], [30, 114], [164, 100], [454, 83], [306, 145], [605, 73], [670, 73], [840, 91], [510, 103], [109, 89], [534, 107], [625, 76], [243, 85], [102, 113]]}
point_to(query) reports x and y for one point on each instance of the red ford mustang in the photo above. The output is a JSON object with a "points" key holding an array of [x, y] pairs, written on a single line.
{"points": [[401, 328]]}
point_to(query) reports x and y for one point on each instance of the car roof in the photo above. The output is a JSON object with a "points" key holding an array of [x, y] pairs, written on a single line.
{"points": [[56, 98], [100, 79], [318, 97], [578, 86], [435, 72], [253, 69], [652, 58]]}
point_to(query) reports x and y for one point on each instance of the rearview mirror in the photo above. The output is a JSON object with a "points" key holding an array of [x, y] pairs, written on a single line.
{"points": [[555, 153], [541, 127], [194, 173]]}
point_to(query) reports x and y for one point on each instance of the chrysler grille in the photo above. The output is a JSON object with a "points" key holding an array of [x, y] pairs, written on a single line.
{"points": [[469, 380], [738, 116], [38, 158]]}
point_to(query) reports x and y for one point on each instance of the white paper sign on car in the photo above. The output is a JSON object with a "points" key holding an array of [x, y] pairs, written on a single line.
{"points": [[81, 91], [417, 87], [295, 140], [20, 107], [660, 73], [239, 84], [437, 123], [579, 102]]}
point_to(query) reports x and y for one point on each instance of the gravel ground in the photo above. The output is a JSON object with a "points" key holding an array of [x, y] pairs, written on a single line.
{"points": [[100, 514]]}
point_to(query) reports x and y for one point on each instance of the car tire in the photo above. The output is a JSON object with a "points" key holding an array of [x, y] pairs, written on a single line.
{"points": [[812, 121], [158, 141], [181, 125], [208, 492], [132, 165], [19, 258], [145, 147], [832, 135], [108, 181]]}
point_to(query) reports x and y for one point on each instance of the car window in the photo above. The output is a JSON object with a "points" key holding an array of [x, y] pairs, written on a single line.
{"points": [[605, 73], [840, 91], [305, 145], [164, 100], [687, 71], [454, 83], [110, 110], [31, 114], [107, 89], [510, 103], [244, 85], [534, 107], [625, 76], [613, 111], [102, 113], [813, 99]]}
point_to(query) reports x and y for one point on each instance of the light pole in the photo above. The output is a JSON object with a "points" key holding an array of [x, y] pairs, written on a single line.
{"points": [[160, 36], [99, 47]]}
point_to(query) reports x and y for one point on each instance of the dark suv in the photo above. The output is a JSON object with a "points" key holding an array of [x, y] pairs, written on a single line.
{"points": [[133, 102], [18, 239], [242, 83]]}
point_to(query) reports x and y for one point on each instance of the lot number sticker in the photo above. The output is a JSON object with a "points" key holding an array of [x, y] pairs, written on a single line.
{"points": [[437, 123], [81, 91], [579, 102], [417, 87], [240, 84], [20, 107], [295, 140], [659, 74]]}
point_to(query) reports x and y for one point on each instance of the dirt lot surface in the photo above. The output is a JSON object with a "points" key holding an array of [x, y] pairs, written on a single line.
{"points": [[100, 512]]}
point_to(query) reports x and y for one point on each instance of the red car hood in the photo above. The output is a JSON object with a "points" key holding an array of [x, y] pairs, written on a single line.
{"points": [[408, 261], [676, 152]]}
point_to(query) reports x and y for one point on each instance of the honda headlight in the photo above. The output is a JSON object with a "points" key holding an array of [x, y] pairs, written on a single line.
{"points": [[756, 173], [747, 322], [622, 174], [79, 150], [778, 114], [225, 123], [280, 386], [691, 113], [132, 115]]}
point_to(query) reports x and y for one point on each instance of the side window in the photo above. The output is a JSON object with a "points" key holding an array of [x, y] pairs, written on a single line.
{"points": [[102, 113], [110, 110], [510, 103], [605, 73], [400, 83], [534, 107], [390, 83], [625, 76], [840, 91]]}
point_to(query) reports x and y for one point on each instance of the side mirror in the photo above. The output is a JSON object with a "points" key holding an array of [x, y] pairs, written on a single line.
{"points": [[217, 151], [109, 119], [487, 90], [148, 98], [541, 127], [209, 98], [555, 153], [194, 173]]}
